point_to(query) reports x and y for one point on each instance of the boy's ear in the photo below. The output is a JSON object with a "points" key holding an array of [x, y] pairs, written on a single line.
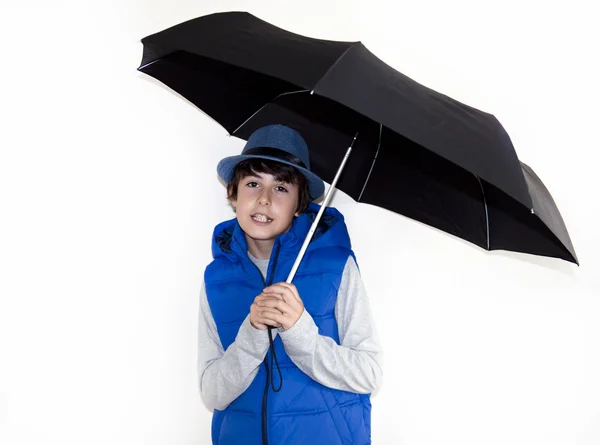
{"points": [[231, 199]]}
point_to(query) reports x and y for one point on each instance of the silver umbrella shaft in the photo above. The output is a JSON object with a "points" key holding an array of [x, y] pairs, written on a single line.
{"points": [[313, 227]]}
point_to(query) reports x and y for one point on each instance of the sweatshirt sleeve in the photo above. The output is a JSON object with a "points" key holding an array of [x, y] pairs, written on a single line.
{"points": [[355, 364], [224, 375]]}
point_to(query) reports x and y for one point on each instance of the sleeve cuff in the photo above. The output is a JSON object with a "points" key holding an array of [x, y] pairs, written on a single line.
{"points": [[251, 339], [299, 337]]}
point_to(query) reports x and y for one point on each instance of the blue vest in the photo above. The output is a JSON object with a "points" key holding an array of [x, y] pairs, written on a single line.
{"points": [[303, 411]]}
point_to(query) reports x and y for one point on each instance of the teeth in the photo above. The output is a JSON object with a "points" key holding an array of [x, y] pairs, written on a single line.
{"points": [[261, 218]]}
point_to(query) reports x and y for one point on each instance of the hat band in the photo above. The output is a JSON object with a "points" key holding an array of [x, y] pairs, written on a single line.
{"points": [[275, 153]]}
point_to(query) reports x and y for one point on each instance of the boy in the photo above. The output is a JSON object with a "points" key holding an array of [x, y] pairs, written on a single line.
{"points": [[325, 346]]}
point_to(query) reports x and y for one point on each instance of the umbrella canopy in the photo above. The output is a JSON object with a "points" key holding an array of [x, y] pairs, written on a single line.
{"points": [[418, 152]]}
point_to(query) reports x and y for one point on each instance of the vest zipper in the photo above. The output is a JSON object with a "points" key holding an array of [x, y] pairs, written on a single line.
{"points": [[265, 438]]}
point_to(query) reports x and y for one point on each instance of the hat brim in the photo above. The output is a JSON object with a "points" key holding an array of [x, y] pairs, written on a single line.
{"points": [[227, 165]]}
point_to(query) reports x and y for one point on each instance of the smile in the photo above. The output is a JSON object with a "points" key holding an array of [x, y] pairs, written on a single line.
{"points": [[259, 217]]}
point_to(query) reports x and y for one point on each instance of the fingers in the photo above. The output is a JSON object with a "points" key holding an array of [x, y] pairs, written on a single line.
{"points": [[268, 318], [287, 290], [275, 303], [268, 296], [279, 305], [282, 287], [263, 315], [257, 325], [267, 322], [262, 321], [272, 317]]}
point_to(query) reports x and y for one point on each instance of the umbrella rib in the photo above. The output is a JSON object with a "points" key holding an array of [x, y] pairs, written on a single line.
{"points": [[148, 64], [487, 221], [333, 65], [274, 99], [373, 164]]}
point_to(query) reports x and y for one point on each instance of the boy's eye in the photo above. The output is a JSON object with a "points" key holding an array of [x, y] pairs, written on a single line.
{"points": [[252, 184], [281, 188]]}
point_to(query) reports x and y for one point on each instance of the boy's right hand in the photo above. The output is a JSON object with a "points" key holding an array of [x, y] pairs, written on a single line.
{"points": [[259, 315]]}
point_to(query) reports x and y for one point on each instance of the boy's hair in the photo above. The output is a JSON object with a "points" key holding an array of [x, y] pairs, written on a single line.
{"points": [[281, 172]]}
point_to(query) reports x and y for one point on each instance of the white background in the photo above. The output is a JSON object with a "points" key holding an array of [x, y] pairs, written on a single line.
{"points": [[108, 197]]}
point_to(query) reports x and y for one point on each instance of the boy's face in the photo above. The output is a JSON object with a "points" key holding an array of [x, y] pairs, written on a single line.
{"points": [[265, 208]]}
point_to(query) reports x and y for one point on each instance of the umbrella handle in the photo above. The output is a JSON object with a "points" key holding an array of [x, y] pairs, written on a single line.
{"points": [[313, 227]]}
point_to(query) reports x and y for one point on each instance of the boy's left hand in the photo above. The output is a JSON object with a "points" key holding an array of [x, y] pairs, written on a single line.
{"points": [[286, 306]]}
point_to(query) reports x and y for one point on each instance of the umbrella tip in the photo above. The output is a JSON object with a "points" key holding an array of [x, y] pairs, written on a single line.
{"points": [[532, 211]]}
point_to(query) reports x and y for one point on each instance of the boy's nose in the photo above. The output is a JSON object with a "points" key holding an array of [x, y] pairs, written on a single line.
{"points": [[264, 198]]}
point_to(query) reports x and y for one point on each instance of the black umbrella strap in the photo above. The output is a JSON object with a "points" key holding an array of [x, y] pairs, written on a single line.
{"points": [[275, 153]]}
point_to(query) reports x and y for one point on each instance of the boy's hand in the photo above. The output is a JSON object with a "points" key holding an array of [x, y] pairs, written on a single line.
{"points": [[281, 304], [261, 318]]}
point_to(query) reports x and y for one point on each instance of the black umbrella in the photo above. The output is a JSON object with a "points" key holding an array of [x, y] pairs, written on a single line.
{"points": [[417, 152]]}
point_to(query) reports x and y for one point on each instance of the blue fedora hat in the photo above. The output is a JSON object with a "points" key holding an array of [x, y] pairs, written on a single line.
{"points": [[276, 143]]}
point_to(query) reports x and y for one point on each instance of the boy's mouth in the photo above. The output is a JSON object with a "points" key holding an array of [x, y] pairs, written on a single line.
{"points": [[261, 218]]}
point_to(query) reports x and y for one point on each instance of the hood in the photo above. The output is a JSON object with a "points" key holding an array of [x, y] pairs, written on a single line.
{"points": [[229, 239]]}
